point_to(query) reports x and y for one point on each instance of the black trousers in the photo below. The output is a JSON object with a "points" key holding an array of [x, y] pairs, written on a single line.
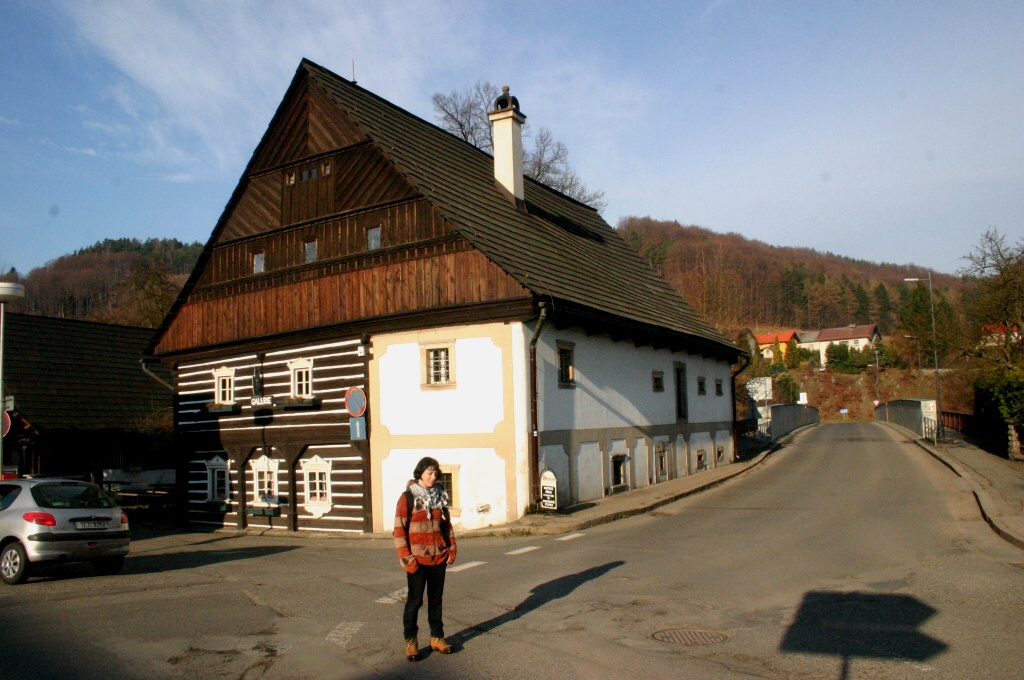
{"points": [[430, 579]]}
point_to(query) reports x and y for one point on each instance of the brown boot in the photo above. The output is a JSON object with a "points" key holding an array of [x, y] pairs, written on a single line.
{"points": [[440, 645], [412, 649]]}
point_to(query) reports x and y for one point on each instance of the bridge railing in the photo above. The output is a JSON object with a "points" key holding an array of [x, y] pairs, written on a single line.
{"points": [[916, 415]]}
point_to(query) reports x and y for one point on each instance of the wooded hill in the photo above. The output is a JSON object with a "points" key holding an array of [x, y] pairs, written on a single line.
{"points": [[124, 281], [739, 283], [735, 282]]}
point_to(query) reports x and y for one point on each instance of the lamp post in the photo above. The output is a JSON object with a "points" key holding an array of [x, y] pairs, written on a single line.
{"points": [[8, 293], [935, 351], [920, 362]]}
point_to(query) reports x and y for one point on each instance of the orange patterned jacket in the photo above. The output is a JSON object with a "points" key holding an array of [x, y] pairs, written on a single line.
{"points": [[422, 538]]}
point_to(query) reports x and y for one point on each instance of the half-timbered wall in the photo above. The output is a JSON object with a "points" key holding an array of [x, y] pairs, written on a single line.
{"points": [[289, 460]]}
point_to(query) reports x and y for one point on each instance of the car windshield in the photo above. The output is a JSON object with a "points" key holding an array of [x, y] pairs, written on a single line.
{"points": [[71, 495]]}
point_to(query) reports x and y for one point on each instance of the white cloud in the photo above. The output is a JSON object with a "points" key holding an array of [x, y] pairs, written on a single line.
{"points": [[9, 121]]}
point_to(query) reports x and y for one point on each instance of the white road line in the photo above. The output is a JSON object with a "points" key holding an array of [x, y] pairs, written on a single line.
{"points": [[395, 597], [467, 565], [344, 632], [569, 537], [523, 550]]}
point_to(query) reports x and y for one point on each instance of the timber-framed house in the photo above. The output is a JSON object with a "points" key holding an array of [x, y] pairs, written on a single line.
{"points": [[377, 290]]}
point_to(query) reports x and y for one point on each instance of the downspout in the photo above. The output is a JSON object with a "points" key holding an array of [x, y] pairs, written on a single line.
{"points": [[732, 379], [154, 376], [534, 426]]}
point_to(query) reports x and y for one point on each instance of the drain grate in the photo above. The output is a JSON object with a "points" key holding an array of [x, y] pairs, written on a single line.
{"points": [[690, 638]]}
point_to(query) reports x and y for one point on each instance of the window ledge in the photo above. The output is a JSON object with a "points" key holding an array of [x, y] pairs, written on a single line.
{"points": [[438, 386], [298, 403], [223, 408], [567, 386]]}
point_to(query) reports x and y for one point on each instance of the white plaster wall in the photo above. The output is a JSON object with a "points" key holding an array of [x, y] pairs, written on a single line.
{"points": [[474, 405], [614, 386], [521, 413], [481, 481], [557, 459], [589, 472], [723, 438], [698, 441], [641, 463]]}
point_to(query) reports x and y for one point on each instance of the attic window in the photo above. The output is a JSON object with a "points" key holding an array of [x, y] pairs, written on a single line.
{"points": [[373, 238], [259, 263], [289, 178], [325, 169], [310, 251]]}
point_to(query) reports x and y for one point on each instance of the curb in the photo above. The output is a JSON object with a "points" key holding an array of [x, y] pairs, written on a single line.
{"points": [[985, 503]]}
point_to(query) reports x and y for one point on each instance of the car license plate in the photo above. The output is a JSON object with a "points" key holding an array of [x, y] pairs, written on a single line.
{"points": [[91, 524]]}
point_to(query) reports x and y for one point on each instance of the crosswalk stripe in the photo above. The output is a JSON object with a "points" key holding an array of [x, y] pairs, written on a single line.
{"points": [[569, 537], [395, 597], [523, 550], [467, 565], [344, 632]]}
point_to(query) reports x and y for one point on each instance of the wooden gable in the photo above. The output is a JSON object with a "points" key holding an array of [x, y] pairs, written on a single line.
{"points": [[306, 125]]}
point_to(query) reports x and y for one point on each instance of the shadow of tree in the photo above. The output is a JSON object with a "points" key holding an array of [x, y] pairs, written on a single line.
{"points": [[869, 625], [539, 596]]}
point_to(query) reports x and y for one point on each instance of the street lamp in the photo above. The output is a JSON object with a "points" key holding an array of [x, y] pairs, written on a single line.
{"points": [[935, 351], [9, 292], [920, 362]]}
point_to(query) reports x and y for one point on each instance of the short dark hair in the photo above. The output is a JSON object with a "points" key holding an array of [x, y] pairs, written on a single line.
{"points": [[421, 467]]}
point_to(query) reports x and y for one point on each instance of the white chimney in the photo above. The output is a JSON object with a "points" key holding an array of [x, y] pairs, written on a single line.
{"points": [[507, 122]]}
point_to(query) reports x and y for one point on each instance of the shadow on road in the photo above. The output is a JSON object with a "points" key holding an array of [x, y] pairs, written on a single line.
{"points": [[539, 596], [869, 625]]}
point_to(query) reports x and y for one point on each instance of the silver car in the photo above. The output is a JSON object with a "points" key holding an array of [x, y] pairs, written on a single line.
{"points": [[59, 520]]}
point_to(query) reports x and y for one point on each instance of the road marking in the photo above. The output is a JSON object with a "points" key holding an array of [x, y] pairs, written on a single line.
{"points": [[569, 537], [395, 597], [344, 632], [523, 550], [467, 565]]}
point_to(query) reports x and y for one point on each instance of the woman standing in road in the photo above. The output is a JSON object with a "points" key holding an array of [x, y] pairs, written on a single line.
{"points": [[426, 546]]}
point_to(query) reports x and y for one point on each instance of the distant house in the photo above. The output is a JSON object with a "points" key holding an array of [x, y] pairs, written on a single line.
{"points": [[378, 290], [81, 401], [766, 343], [854, 337]]}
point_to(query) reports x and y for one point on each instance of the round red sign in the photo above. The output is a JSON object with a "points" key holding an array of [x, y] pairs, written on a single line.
{"points": [[355, 401]]}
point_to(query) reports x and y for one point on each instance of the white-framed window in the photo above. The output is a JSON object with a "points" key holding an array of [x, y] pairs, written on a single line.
{"points": [[437, 365], [224, 385], [218, 481], [259, 263], [302, 378], [264, 475], [316, 474]]}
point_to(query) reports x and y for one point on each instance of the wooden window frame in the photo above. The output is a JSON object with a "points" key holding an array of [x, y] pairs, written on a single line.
{"points": [[297, 368], [316, 476], [306, 253], [265, 469], [259, 262], [223, 386], [370, 232], [429, 378], [214, 467]]}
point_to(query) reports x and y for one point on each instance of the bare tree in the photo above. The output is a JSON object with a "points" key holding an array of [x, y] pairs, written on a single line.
{"points": [[463, 113]]}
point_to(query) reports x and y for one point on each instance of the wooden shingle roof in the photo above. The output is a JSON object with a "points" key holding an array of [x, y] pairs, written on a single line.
{"points": [[66, 374], [558, 248]]}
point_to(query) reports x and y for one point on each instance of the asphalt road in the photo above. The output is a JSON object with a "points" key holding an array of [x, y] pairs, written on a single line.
{"points": [[846, 554]]}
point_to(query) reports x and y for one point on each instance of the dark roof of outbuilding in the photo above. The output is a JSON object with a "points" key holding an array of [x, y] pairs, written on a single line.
{"points": [[66, 374], [558, 248], [847, 332]]}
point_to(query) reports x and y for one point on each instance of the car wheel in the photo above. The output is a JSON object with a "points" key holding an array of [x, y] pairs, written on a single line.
{"points": [[13, 564], [107, 566]]}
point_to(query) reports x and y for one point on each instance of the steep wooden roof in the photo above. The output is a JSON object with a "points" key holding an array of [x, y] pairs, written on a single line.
{"points": [[66, 374], [559, 249]]}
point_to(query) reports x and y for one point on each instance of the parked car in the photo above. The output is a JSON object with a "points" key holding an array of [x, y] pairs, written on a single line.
{"points": [[59, 520]]}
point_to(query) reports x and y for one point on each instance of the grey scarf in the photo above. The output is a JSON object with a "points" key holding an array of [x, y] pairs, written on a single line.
{"points": [[433, 498]]}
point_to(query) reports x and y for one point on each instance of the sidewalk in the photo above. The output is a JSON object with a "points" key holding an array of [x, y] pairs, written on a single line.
{"points": [[997, 483], [626, 504]]}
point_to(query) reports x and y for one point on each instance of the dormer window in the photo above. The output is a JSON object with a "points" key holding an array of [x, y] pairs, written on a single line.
{"points": [[302, 378], [224, 386]]}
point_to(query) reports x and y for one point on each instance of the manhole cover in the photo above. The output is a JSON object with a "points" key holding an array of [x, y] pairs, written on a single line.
{"points": [[690, 637]]}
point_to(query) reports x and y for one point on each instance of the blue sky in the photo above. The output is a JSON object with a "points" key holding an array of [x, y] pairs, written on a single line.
{"points": [[885, 131]]}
